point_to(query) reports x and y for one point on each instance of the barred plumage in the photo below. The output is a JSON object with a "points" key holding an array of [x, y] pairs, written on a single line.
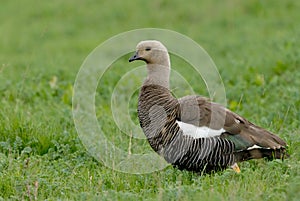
{"points": [[229, 139], [157, 111]]}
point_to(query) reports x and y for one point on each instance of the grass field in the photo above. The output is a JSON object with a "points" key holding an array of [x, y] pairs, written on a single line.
{"points": [[255, 45]]}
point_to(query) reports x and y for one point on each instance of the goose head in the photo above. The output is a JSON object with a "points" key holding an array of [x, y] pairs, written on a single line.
{"points": [[152, 52]]}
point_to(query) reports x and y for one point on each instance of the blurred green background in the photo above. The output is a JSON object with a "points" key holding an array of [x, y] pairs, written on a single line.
{"points": [[255, 45]]}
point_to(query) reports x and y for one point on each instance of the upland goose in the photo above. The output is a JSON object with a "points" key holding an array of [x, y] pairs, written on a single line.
{"points": [[193, 133]]}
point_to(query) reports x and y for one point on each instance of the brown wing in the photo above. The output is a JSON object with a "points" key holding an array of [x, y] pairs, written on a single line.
{"points": [[199, 111]]}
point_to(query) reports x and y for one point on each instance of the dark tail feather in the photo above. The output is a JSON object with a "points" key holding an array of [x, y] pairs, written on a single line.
{"points": [[263, 138], [261, 153]]}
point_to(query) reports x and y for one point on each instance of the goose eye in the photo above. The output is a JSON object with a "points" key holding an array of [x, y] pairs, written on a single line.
{"points": [[148, 48]]}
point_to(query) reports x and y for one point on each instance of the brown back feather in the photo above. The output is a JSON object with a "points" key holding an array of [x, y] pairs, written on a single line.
{"points": [[199, 111]]}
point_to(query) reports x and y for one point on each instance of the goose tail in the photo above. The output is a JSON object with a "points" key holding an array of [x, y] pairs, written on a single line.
{"points": [[258, 153]]}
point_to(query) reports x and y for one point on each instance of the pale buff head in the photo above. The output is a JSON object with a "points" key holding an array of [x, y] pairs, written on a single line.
{"points": [[152, 52]]}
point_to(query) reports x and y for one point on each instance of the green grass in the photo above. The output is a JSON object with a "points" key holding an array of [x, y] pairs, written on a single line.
{"points": [[255, 45]]}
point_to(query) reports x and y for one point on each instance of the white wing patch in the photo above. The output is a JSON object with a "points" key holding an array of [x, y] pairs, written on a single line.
{"points": [[256, 147], [198, 132]]}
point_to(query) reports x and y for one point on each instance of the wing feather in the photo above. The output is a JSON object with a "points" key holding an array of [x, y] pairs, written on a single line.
{"points": [[199, 111]]}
